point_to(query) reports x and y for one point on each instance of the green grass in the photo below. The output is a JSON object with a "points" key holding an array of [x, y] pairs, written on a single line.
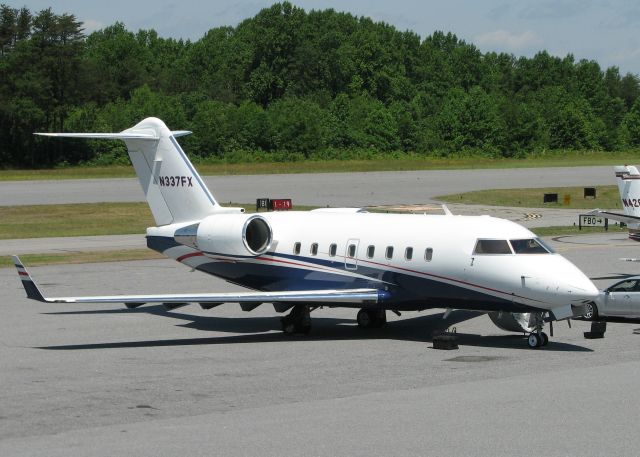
{"points": [[38, 221], [82, 219], [607, 197], [82, 257], [118, 218], [408, 162], [573, 230]]}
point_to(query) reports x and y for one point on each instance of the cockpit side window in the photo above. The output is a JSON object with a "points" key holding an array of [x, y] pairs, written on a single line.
{"points": [[492, 247], [529, 246]]}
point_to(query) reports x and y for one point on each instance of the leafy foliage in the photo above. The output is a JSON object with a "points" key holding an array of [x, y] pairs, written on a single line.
{"points": [[289, 84]]}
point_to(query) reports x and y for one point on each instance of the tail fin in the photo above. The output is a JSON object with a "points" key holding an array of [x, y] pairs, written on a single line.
{"points": [[628, 179], [174, 190]]}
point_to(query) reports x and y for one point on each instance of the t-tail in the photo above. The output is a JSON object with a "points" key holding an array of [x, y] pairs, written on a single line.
{"points": [[174, 190], [628, 179]]}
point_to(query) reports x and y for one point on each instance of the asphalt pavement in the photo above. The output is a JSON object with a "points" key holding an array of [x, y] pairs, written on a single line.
{"points": [[102, 380], [335, 189]]}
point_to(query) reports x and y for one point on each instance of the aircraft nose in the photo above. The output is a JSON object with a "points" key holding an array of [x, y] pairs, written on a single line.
{"points": [[578, 285], [584, 289]]}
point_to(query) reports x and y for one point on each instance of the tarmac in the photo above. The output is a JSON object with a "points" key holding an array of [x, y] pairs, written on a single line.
{"points": [[103, 380], [335, 189]]}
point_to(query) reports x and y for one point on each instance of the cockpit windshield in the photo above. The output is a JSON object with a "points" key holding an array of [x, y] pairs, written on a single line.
{"points": [[530, 246], [522, 246], [492, 247]]}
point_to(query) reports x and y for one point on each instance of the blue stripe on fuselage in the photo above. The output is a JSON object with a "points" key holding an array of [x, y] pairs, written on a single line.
{"points": [[407, 291]]}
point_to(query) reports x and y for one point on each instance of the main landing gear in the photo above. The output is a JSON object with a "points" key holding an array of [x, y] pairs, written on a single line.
{"points": [[371, 318], [537, 338], [297, 321]]}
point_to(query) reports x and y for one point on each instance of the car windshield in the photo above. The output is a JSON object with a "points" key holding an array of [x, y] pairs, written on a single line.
{"points": [[530, 246]]}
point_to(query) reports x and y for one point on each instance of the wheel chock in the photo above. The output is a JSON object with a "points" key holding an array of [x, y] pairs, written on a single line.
{"points": [[598, 328]]}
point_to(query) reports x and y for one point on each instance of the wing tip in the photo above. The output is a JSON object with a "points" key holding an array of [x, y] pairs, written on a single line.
{"points": [[30, 286]]}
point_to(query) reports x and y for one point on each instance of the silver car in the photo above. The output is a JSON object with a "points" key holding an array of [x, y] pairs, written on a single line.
{"points": [[619, 300]]}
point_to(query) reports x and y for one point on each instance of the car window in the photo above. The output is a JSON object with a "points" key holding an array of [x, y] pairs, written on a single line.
{"points": [[625, 286]]}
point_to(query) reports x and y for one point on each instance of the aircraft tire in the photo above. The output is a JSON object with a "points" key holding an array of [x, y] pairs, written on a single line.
{"points": [[545, 339], [365, 318], [534, 341]]}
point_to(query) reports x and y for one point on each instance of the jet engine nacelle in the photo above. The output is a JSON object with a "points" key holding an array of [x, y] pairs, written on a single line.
{"points": [[228, 234], [511, 322]]}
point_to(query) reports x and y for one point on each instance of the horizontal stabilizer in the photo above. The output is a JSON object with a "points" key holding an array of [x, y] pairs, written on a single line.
{"points": [[254, 298], [128, 135]]}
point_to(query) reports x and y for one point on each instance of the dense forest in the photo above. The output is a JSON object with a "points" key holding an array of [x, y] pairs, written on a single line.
{"points": [[289, 84]]}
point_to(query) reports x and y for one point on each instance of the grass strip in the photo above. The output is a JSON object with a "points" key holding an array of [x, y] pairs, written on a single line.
{"points": [[82, 219], [561, 230], [607, 197], [85, 219], [82, 257], [403, 163]]}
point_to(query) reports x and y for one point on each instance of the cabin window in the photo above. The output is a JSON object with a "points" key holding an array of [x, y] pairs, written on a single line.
{"points": [[351, 251], [333, 249], [492, 247], [314, 249], [389, 252], [428, 254], [408, 253], [296, 248], [530, 246], [371, 250]]}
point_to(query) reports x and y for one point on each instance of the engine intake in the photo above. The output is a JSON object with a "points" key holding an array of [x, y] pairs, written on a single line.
{"points": [[228, 234]]}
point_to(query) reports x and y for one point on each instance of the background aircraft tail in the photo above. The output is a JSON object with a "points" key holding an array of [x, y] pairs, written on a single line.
{"points": [[173, 188], [628, 179]]}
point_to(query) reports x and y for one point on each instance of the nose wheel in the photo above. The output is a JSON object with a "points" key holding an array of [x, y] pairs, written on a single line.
{"points": [[537, 338]]}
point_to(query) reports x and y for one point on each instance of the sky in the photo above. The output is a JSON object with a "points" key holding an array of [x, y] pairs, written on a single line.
{"points": [[603, 30]]}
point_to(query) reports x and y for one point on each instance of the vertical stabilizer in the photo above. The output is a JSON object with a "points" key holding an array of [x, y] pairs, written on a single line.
{"points": [[628, 179], [174, 190]]}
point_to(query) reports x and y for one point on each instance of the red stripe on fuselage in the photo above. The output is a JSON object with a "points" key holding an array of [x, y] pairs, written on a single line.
{"points": [[186, 256], [266, 259]]}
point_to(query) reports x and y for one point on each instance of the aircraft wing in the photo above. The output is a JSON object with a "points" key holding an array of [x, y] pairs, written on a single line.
{"points": [[615, 216], [344, 296]]}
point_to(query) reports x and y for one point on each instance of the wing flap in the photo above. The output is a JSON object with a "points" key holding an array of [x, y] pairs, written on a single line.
{"points": [[345, 296]]}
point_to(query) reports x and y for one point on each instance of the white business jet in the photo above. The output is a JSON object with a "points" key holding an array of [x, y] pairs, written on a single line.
{"points": [[628, 180], [300, 261]]}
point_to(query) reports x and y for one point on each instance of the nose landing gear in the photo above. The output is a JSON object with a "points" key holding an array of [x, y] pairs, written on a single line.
{"points": [[537, 338]]}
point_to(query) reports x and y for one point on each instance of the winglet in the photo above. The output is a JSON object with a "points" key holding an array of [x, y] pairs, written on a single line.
{"points": [[30, 287]]}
